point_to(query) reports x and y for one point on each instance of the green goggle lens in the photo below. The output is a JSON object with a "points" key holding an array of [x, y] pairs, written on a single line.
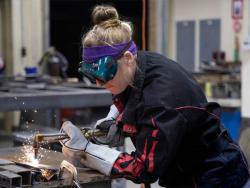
{"points": [[103, 69]]}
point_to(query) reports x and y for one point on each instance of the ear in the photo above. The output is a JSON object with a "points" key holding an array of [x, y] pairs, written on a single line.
{"points": [[128, 57]]}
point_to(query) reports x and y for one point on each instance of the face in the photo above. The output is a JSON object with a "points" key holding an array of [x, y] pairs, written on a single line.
{"points": [[124, 75]]}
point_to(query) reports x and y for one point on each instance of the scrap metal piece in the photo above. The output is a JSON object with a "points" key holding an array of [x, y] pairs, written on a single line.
{"points": [[23, 172], [10, 179]]}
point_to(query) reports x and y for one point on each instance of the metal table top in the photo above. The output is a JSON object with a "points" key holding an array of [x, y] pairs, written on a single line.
{"points": [[56, 96]]}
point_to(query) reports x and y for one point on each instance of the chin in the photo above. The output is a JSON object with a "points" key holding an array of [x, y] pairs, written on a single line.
{"points": [[115, 91]]}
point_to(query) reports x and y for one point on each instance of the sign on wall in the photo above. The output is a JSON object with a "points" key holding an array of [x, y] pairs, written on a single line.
{"points": [[237, 9]]}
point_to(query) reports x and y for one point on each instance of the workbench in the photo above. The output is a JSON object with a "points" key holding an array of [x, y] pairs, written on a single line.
{"points": [[29, 95], [36, 95], [87, 178]]}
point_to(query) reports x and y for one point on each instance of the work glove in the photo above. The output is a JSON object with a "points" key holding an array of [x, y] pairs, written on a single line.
{"points": [[112, 115], [114, 136], [78, 149]]}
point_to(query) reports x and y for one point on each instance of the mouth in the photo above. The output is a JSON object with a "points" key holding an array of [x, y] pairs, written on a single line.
{"points": [[108, 87]]}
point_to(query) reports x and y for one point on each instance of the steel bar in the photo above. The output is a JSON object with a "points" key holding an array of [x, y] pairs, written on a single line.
{"points": [[9, 179], [24, 172]]}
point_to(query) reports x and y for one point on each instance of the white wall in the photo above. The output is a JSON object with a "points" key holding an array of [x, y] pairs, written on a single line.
{"points": [[1, 26], [27, 31], [182, 10], [197, 10], [32, 30], [245, 76], [16, 23]]}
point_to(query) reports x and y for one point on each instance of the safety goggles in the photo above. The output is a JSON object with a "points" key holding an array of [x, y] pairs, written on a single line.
{"points": [[105, 67], [102, 70]]}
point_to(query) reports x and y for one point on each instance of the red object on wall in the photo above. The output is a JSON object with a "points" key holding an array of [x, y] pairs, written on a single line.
{"points": [[237, 26]]}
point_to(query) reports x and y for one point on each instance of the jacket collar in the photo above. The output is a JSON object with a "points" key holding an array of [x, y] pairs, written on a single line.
{"points": [[134, 95]]}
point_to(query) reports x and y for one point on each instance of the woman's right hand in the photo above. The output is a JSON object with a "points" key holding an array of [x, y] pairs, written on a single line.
{"points": [[75, 145]]}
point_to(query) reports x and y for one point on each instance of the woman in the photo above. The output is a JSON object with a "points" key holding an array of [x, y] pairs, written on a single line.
{"points": [[177, 134]]}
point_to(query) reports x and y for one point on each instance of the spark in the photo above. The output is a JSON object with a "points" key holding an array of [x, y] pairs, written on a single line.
{"points": [[28, 155], [47, 174], [34, 161]]}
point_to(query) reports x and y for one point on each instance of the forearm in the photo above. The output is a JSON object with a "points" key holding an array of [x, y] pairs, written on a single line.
{"points": [[100, 158]]}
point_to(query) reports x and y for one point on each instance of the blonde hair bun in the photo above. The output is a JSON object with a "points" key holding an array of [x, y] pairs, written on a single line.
{"points": [[108, 29], [103, 13]]}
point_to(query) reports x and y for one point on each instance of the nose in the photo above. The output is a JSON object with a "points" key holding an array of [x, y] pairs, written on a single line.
{"points": [[99, 83]]}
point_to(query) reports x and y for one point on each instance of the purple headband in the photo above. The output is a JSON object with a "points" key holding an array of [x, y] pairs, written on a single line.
{"points": [[94, 53]]}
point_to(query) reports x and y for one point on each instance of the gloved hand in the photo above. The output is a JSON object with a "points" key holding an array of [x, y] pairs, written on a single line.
{"points": [[103, 124], [78, 149], [73, 146], [114, 135]]}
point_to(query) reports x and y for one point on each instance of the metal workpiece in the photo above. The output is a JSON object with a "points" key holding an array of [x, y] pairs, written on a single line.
{"points": [[23, 172], [10, 180]]}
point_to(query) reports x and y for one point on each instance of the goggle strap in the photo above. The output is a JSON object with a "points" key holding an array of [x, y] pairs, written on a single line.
{"points": [[123, 51]]}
